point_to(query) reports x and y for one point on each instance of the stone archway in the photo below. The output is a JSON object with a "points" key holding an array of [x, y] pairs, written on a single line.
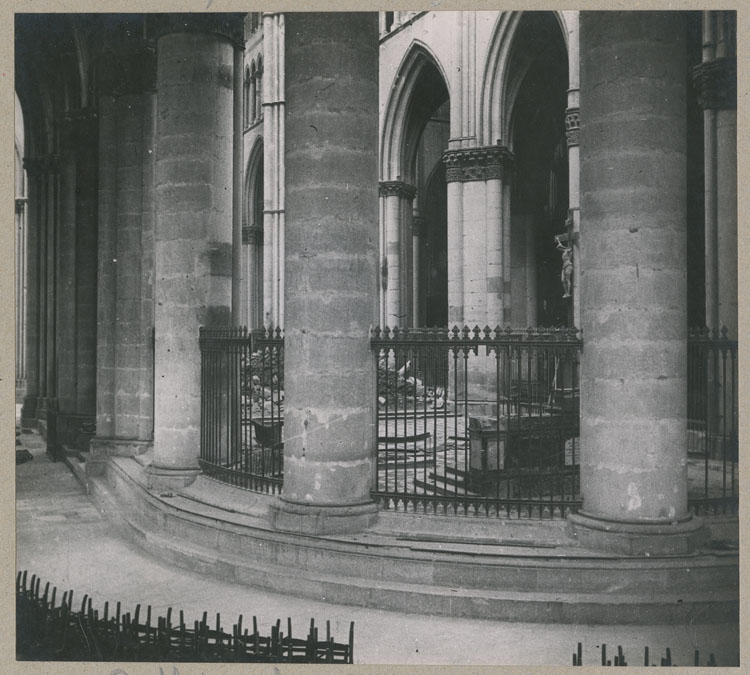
{"points": [[536, 99], [415, 135]]}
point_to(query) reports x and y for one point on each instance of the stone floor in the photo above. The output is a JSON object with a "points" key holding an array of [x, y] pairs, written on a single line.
{"points": [[64, 539]]}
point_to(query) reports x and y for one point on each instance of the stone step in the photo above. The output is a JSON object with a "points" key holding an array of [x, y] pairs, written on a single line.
{"points": [[453, 577]]}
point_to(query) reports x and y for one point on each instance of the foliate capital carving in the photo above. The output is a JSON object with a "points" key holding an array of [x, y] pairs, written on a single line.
{"points": [[390, 188], [715, 84], [252, 234], [572, 126], [472, 164]]}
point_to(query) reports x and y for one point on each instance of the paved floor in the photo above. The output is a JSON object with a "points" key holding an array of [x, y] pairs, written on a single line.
{"points": [[64, 539]]}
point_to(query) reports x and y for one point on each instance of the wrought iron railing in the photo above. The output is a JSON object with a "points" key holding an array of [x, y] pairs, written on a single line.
{"points": [[481, 421], [242, 402], [713, 429], [497, 436]]}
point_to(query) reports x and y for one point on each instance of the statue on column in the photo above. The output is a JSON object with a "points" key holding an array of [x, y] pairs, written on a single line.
{"points": [[566, 275]]}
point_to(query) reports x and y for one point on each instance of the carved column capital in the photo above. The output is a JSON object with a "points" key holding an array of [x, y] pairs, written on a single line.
{"points": [[473, 164], [389, 188], [572, 126], [715, 84], [252, 234]]}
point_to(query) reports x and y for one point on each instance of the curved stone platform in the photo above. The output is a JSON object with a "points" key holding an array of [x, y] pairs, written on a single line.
{"points": [[503, 570]]}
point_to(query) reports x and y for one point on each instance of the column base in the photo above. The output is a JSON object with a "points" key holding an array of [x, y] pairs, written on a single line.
{"points": [[29, 412], [118, 447], [288, 516], [75, 429], [163, 480], [637, 539]]}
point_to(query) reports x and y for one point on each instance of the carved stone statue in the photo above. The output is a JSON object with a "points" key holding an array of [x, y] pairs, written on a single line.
{"points": [[566, 275]]}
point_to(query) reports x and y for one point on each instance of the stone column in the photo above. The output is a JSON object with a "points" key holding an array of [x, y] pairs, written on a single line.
{"points": [[52, 214], [86, 134], [20, 251], [455, 207], [418, 225], [125, 357], [66, 310], [531, 271], [715, 80], [398, 199], [633, 286], [193, 227], [485, 231], [331, 262], [481, 172], [252, 242], [238, 145], [572, 133], [274, 185], [33, 290], [107, 268]]}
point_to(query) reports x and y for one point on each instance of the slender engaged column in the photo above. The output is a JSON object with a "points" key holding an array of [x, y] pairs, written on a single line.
{"points": [[107, 269], [33, 299], [86, 268], [331, 264], [633, 288], [418, 226], [193, 228], [66, 309], [572, 133], [52, 213], [715, 80], [398, 197], [238, 142]]}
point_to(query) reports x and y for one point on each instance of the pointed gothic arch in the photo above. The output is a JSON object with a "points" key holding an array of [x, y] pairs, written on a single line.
{"points": [[400, 129], [500, 84]]}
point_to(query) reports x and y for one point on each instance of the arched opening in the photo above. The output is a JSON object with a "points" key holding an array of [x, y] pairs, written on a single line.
{"points": [[433, 304], [425, 139], [536, 94]]}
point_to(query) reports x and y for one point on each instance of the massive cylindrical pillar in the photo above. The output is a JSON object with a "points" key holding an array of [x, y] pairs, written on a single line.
{"points": [[66, 310], [633, 284], [332, 270], [193, 227], [125, 300]]}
